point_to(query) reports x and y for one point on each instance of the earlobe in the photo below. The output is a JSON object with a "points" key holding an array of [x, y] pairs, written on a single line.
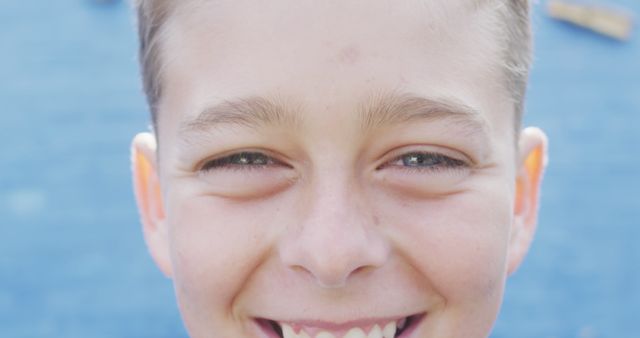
{"points": [[148, 196], [532, 163]]}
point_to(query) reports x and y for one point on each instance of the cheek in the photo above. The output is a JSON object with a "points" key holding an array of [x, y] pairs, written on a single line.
{"points": [[458, 243], [215, 246]]}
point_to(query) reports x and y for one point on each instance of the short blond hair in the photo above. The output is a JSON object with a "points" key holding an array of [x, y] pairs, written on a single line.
{"points": [[514, 15]]}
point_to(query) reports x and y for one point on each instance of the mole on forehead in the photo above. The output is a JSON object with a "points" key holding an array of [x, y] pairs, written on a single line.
{"points": [[349, 55]]}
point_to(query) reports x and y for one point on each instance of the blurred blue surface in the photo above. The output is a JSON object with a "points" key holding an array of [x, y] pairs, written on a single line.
{"points": [[72, 258]]}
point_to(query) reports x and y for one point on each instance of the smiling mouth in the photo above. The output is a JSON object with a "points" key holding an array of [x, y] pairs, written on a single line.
{"points": [[393, 328]]}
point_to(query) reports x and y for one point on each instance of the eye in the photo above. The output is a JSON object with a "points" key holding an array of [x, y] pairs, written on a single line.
{"points": [[426, 172], [427, 161], [245, 174], [240, 161]]}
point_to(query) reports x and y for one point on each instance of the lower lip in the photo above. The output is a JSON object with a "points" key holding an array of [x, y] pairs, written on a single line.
{"points": [[264, 330]]}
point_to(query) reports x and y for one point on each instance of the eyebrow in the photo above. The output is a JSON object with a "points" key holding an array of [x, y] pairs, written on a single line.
{"points": [[388, 110], [378, 111], [251, 112]]}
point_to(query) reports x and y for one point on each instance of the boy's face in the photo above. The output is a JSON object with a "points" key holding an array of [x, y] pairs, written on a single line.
{"points": [[335, 166]]}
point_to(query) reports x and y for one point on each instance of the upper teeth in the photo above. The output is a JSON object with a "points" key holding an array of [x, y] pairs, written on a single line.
{"points": [[388, 331]]}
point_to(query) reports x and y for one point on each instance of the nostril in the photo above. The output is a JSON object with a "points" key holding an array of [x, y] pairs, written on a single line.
{"points": [[360, 269]]}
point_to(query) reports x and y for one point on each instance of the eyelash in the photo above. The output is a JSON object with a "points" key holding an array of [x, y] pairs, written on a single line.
{"points": [[438, 162], [435, 162], [249, 156]]}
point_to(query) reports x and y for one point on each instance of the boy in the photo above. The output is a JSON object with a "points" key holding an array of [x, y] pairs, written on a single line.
{"points": [[337, 168]]}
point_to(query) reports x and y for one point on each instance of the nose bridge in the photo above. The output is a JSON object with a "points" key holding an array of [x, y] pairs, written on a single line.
{"points": [[335, 215], [335, 235]]}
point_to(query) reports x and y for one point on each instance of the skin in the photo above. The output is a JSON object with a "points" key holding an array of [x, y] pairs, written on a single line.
{"points": [[338, 227]]}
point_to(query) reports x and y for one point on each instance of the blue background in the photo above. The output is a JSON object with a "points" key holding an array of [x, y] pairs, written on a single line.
{"points": [[72, 258]]}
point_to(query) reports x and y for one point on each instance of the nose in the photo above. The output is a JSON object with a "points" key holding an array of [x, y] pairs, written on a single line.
{"points": [[335, 237]]}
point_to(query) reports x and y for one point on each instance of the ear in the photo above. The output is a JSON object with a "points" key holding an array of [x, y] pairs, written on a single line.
{"points": [[531, 164], [149, 199]]}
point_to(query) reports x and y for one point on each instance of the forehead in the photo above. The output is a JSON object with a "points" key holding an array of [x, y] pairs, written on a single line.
{"points": [[331, 54]]}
